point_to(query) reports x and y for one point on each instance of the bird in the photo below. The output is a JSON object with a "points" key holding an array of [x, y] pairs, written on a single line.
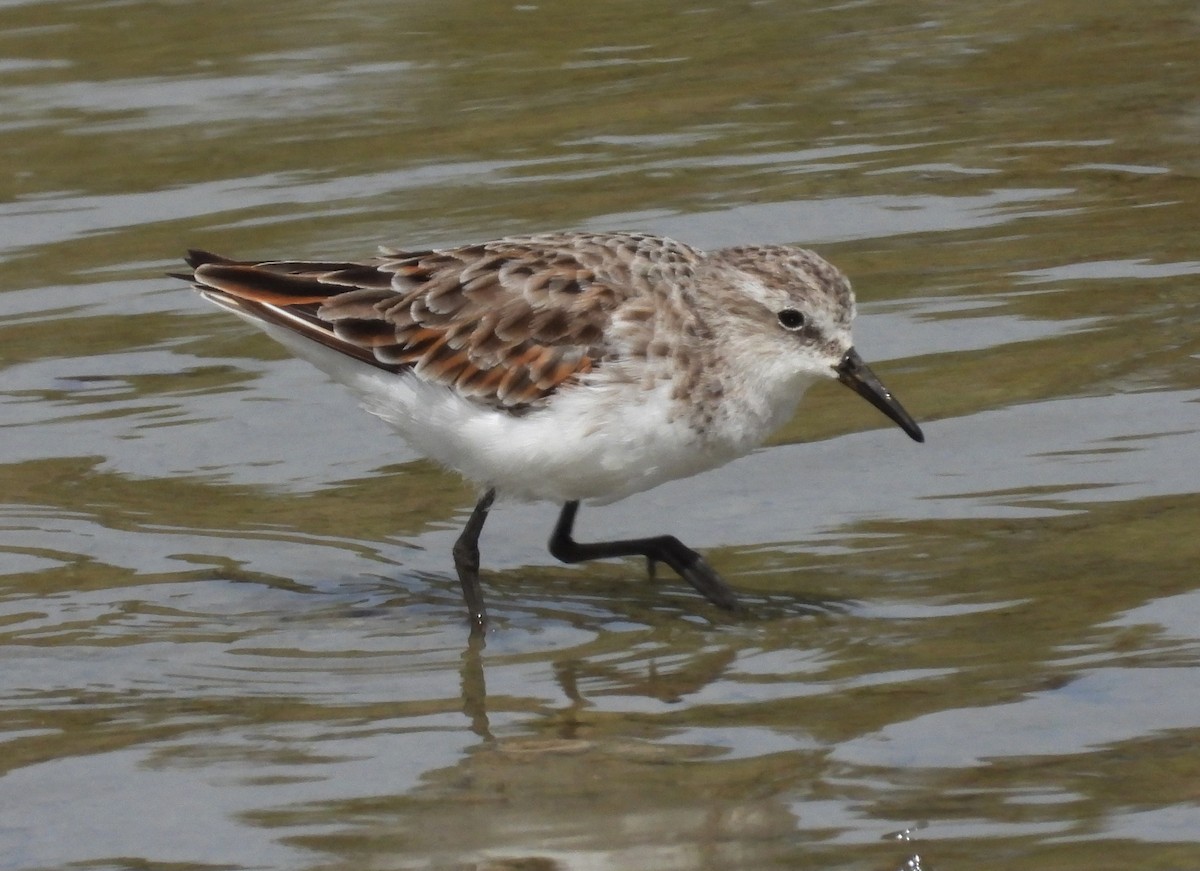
{"points": [[570, 366]]}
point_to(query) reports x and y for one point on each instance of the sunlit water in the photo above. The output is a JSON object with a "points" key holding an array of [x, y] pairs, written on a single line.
{"points": [[232, 637]]}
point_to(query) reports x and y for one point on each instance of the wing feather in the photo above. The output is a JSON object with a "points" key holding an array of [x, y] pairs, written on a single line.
{"points": [[506, 322]]}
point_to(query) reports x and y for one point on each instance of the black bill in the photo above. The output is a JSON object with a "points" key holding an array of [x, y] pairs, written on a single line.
{"points": [[857, 375]]}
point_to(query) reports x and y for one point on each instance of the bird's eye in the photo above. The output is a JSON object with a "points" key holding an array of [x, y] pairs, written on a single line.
{"points": [[790, 319]]}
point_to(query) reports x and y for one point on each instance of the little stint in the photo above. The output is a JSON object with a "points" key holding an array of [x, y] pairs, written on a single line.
{"points": [[567, 366]]}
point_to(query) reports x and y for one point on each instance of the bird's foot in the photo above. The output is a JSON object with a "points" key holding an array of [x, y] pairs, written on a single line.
{"points": [[704, 578]]}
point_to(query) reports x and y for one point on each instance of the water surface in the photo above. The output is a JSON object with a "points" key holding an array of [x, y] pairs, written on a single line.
{"points": [[231, 632]]}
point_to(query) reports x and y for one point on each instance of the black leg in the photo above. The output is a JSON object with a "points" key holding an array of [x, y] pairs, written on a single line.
{"points": [[466, 560], [668, 549]]}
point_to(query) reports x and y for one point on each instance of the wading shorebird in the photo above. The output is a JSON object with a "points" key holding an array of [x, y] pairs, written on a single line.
{"points": [[567, 366]]}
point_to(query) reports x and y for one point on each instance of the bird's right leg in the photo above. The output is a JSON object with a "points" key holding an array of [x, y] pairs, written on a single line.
{"points": [[668, 549]]}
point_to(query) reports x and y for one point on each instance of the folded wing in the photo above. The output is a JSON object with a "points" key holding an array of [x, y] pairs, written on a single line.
{"points": [[506, 322]]}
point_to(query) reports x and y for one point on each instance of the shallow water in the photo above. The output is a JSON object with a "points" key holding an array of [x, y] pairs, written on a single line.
{"points": [[231, 632]]}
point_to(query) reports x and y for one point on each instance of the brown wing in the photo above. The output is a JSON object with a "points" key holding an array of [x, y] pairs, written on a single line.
{"points": [[505, 322]]}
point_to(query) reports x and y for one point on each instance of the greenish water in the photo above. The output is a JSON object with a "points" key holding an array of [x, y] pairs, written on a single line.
{"points": [[230, 630]]}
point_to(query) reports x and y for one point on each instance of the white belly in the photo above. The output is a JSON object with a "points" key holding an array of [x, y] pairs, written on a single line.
{"points": [[596, 442]]}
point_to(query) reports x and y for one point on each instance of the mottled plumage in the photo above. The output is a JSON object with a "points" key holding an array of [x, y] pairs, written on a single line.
{"points": [[567, 366]]}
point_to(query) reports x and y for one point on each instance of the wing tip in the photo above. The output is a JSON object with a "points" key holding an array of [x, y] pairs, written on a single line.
{"points": [[197, 257]]}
